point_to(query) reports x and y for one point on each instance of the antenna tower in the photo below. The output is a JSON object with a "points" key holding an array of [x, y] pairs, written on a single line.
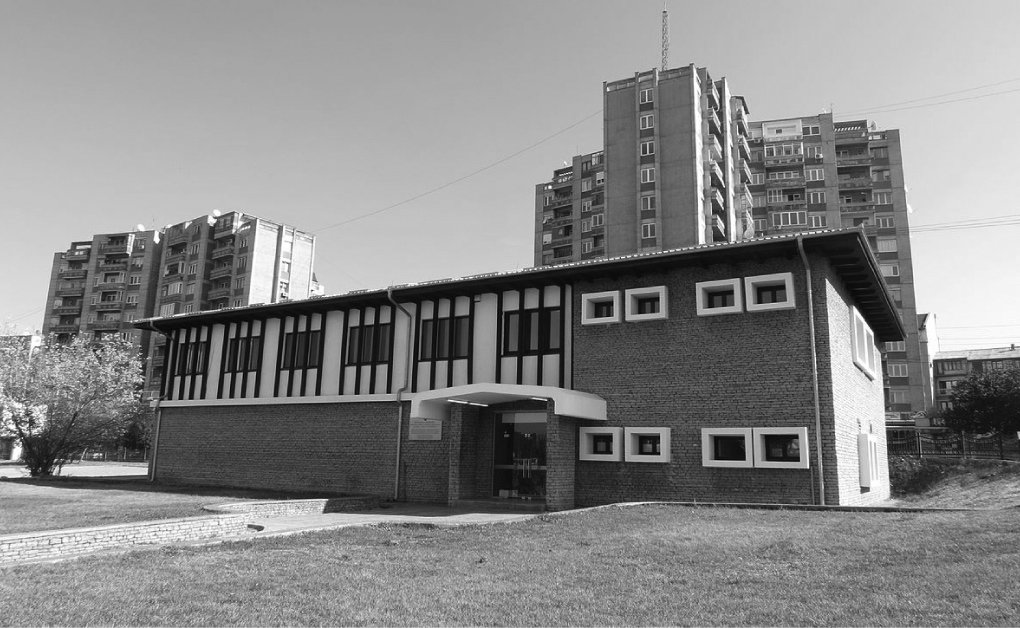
{"points": [[665, 37]]}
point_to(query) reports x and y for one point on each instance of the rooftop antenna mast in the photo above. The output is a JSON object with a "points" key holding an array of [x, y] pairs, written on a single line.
{"points": [[665, 37]]}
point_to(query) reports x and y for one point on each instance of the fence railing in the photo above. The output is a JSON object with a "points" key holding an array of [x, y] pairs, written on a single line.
{"points": [[954, 444]]}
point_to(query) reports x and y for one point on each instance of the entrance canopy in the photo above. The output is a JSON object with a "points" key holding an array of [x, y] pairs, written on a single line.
{"points": [[435, 404]]}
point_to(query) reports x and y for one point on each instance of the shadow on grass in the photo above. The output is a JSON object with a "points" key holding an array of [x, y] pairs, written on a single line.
{"points": [[142, 485]]}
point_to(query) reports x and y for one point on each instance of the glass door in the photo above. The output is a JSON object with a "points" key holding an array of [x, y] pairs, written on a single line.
{"points": [[519, 464]]}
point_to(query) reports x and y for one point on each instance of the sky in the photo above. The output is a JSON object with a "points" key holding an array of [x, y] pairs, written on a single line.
{"points": [[409, 136]]}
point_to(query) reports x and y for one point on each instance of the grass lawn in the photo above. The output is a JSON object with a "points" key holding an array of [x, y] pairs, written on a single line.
{"points": [[29, 505], [650, 565]]}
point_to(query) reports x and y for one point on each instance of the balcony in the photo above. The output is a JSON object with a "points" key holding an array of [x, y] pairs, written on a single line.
{"points": [[857, 159], [787, 207], [713, 122], [170, 298], [176, 238], [718, 201], [112, 266], [70, 292], [104, 326], [115, 249], [745, 149], [77, 254], [219, 293], [851, 135], [857, 207], [851, 183], [713, 96], [746, 200], [172, 257], [223, 231], [784, 160], [225, 271], [716, 174], [745, 171], [718, 228], [740, 117], [796, 182], [560, 202], [223, 251], [714, 148], [109, 306], [64, 329], [78, 273], [68, 309]]}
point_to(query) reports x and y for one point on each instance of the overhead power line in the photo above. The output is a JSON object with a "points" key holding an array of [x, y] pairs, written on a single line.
{"points": [[997, 221], [885, 108]]}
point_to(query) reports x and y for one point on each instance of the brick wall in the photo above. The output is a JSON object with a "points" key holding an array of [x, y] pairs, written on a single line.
{"points": [[687, 372], [561, 451]]}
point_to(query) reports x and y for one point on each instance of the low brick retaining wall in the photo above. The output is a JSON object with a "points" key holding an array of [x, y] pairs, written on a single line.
{"points": [[57, 543], [293, 507]]}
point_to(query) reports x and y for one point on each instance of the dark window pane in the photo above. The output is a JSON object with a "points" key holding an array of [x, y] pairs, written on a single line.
{"points": [[729, 448]]}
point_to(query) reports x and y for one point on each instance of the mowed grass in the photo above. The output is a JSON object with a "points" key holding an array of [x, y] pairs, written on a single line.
{"points": [[648, 565], [30, 505]]}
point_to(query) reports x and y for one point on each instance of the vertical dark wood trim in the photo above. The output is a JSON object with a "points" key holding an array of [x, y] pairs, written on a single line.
{"points": [[249, 326], [522, 325], [543, 334], [391, 358], [183, 376], [322, 354], [262, 348], [450, 336], [565, 327], [208, 359], [499, 336], [357, 359], [304, 368], [170, 367], [344, 325], [416, 348], [279, 355], [374, 368], [227, 327], [471, 340], [432, 344], [293, 345]]}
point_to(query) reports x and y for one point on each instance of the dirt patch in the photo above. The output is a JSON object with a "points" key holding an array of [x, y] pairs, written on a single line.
{"points": [[955, 483]]}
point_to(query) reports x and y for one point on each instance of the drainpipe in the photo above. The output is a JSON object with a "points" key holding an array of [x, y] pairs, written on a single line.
{"points": [[400, 393], [156, 408], [814, 370]]}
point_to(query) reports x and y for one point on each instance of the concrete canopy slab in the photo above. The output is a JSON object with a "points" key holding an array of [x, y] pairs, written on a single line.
{"points": [[435, 404]]}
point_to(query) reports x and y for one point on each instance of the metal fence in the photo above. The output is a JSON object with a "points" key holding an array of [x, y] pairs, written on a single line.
{"points": [[113, 454], [955, 444]]}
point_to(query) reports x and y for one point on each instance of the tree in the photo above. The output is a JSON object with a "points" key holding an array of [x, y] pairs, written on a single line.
{"points": [[64, 398], [986, 402]]}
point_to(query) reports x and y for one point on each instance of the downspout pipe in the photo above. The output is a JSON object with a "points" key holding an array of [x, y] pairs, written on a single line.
{"points": [[156, 408], [814, 370], [400, 393]]}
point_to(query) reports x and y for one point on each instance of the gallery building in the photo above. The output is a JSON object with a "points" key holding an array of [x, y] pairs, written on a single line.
{"points": [[729, 372]]}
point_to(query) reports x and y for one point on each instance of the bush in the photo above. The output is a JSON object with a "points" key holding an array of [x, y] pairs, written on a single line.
{"points": [[909, 475]]}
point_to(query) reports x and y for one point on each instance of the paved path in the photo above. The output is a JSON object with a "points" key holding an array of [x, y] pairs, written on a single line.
{"points": [[82, 470]]}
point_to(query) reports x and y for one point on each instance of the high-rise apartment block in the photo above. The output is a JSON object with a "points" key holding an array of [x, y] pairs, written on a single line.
{"points": [[673, 173], [812, 173], [100, 286], [683, 166]]}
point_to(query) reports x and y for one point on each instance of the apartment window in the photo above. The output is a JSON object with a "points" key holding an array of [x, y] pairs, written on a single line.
{"points": [[176, 287], [789, 219], [726, 447], [885, 222], [816, 197], [812, 130], [596, 159], [600, 307], [896, 293], [758, 200], [646, 444], [586, 245], [769, 292], [532, 331], [898, 396], [192, 269], [597, 220], [647, 175], [137, 262], [814, 174], [189, 289], [238, 302], [647, 148], [947, 386], [191, 358], [585, 226], [648, 202], [647, 230], [882, 198], [135, 280], [817, 220], [814, 151], [189, 308], [645, 95], [586, 205], [244, 243], [647, 121], [897, 369], [880, 175], [780, 447], [719, 297], [775, 196], [239, 283], [783, 174], [194, 249], [862, 341], [886, 245], [880, 152], [890, 270], [645, 304], [244, 354], [369, 344], [132, 299], [140, 244], [600, 444], [586, 185], [301, 349], [437, 335], [898, 346], [758, 178], [600, 178]]}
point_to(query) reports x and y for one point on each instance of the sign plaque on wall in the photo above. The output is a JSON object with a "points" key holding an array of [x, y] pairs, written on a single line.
{"points": [[425, 429]]}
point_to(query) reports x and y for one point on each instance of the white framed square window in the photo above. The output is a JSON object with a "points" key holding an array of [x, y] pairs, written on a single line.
{"points": [[648, 202], [726, 447], [867, 453], [647, 148], [646, 304], [647, 230], [586, 205], [722, 296], [886, 245], [603, 444], [645, 95], [898, 369], [646, 444], [648, 175], [600, 178], [770, 292], [646, 121], [862, 341], [600, 307], [586, 245], [586, 185], [597, 220], [780, 447]]}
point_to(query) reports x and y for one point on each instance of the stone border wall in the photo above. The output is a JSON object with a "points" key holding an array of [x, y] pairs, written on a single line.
{"points": [[295, 507], [59, 543]]}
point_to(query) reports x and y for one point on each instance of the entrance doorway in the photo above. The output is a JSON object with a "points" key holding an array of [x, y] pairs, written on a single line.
{"points": [[519, 463]]}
